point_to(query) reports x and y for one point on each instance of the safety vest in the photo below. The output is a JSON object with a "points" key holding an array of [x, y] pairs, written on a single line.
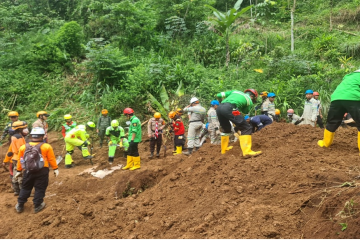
{"points": [[68, 128]]}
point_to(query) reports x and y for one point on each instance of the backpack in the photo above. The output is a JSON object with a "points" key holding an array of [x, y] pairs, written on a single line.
{"points": [[33, 158]]}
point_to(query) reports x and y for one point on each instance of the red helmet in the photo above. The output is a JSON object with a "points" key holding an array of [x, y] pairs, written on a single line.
{"points": [[316, 94], [253, 91], [128, 111]]}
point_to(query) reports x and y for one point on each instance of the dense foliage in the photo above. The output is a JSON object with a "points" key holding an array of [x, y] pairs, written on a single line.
{"points": [[78, 56]]}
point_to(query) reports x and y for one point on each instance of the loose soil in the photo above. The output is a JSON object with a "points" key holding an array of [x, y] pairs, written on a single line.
{"points": [[293, 190]]}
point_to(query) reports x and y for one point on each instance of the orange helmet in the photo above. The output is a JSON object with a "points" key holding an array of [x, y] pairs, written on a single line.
{"points": [[157, 115], [104, 111], [13, 114], [42, 113], [172, 114], [316, 94], [277, 112], [18, 125]]}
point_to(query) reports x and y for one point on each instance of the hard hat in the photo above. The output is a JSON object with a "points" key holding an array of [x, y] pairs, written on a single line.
{"points": [[128, 111], [246, 117], [271, 95], [104, 111], [13, 114], [91, 124], [207, 125], [37, 131], [194, 100], [309, 91], [179, 111], [114, 123], [290, 111], [277, 112], [316, 94], [253, 91], [18, 125], [172, 114], [157, 115], [42, 113], [67, 117], [214, 102], [264, 94], [81, 127]]}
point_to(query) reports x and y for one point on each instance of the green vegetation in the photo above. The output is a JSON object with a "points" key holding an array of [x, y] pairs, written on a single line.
{"points": [[78, 56]]}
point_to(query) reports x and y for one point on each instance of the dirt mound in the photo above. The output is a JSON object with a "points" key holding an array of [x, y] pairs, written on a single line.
{"points": [[295, 189]]}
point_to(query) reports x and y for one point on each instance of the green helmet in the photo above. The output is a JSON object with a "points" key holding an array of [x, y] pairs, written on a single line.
{"points": [[91, 124], [114, 123]]}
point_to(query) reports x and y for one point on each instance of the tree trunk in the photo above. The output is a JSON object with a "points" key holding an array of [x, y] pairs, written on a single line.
{"points": [[292, 26]]}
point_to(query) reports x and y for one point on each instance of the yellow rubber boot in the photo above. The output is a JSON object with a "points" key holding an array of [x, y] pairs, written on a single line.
{"points": [[225, 144], [136, 163], [129, 163], [68, 160], [328, 139], [245, 144], [178, 150]]}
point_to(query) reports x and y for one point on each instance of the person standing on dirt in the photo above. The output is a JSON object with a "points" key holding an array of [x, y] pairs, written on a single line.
{"points": [[263, 96], [228, 111], [179, 131], [116, 135], [20, 130], [155, 128], [346, 98], [214, 124], [268, 107], [38, 177], [319, 116], [310, 109], [133, 157], [68, 125], [13, 116], [41, 122], [293, 118], [196, 119], [103, 123], [77, 137], [258, 122]]}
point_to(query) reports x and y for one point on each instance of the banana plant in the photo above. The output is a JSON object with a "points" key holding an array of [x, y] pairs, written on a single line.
{"points": [[224, 23]]}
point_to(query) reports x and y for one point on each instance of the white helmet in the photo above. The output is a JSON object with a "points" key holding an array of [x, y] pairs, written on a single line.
{"points": [[193, 100], [37, 131], [81, 127]]}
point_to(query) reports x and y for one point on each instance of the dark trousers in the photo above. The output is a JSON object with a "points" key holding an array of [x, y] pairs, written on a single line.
{"points": [[319, 121], [179, 140], [133, 150], [224, 113], [39, 180], [337, 110], [156, 141], [101, 135]]}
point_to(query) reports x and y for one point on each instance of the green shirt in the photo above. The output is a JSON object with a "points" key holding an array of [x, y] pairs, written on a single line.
{"points": [[135, 127], [103, 122], [242, 100], [115, 134], [349, 88]]}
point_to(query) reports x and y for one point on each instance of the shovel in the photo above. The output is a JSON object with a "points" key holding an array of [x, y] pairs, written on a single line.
{"points": [[59, 159]]}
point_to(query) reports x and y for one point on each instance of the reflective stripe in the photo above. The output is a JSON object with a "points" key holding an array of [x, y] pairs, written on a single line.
{"points": [[223, 94]]}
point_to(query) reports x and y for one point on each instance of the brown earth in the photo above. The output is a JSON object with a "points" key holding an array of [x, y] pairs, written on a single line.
{"points": [[294, 190]]}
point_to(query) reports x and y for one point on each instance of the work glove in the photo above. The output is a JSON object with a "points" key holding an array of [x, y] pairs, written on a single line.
{"points": [[110, 143], [121, 144], [56, 172], [17, 175], [85, 144]]}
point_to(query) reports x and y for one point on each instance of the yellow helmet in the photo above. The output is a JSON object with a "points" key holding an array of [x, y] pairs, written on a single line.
{"points": [[179, 111], [13, 114], [157, 115], [67, 117], [277, 112], [42, 113], [264, 94], [172, 114], [19, 124], [91, 124], [104, 111]]}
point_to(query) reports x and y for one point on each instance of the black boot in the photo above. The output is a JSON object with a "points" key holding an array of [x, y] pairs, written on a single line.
{"points": [[197, 148], [157, 155], [189, 152], [151, 155], [16, 188], [101, 145], [19, 207], [39, 208], [111, 160]]}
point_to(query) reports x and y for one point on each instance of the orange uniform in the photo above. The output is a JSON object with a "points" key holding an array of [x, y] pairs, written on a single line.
{"points": [[17, 140]]}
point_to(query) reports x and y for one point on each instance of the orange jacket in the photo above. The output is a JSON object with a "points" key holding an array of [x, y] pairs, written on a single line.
{"points": [[47, 153], [17, 140], [8, 156]]}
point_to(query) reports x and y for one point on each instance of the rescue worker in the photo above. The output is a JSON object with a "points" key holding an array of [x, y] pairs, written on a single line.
{"points": [[277, 115], [103, 123], [214, 125], [319, 116], [310, 110], [293, 118], [41, 122], [155, 128], [268, 107], [346, 98], [258, 122], [133, 157], [263, 96], [38, 179], [196, 117], [77, 137], [179, 131], [116, 135], [17, 140], [13, 116], [232, 104], [68, 125]]}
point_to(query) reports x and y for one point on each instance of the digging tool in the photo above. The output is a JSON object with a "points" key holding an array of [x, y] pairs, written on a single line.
{"points": [[59, 158]]}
